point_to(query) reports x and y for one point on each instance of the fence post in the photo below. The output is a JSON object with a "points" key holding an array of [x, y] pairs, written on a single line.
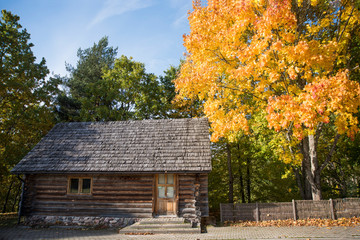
{"points": [[234, 212], [294, 209], [332, 209], [257, 212]]}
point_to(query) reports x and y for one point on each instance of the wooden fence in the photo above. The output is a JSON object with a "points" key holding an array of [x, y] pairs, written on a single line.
{"points": [[297, 209]]}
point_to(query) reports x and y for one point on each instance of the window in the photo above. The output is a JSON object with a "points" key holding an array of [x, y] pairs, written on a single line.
{"points": [[79, 186], [166, 186]]}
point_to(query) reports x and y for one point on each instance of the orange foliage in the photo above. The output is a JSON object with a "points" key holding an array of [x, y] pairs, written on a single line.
{"points": [[335, 95], [264, 55]]}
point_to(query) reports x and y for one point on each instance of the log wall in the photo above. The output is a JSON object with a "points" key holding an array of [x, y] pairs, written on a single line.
{"points": [[112, 196], [129, 196], [187, 195]]}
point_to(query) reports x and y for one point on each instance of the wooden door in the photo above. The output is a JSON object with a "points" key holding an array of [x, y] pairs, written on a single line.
{"points": [[166, 194]]}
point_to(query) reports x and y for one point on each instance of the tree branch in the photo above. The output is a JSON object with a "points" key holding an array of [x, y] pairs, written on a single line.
{"points": [[237, 89], [331, 153], [347, 22], [318, 132], [282, 73]]}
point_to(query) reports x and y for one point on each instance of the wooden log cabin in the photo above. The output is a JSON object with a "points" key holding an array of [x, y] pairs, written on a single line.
{"points": [[124, 169]]}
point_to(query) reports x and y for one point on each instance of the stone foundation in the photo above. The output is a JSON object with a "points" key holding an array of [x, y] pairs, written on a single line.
{"points": [[44, 221]]}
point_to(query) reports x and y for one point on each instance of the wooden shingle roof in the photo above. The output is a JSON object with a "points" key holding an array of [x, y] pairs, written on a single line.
{"points": [[172, 145]]}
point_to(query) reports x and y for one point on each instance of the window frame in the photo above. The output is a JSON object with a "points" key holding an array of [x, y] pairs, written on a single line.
{"points": [[80, 181]]}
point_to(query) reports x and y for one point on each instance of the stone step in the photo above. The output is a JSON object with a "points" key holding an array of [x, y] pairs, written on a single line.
{"points": [[163, 226], [160, 226], [162, 220], [160, 231], [149, 222]]}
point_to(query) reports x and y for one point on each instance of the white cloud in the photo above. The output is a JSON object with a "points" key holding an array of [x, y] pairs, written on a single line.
{"points": [[118, 7], [180, 20], [182, 6]]}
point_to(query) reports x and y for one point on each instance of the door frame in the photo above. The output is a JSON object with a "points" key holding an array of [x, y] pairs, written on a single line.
{"points": [[155, 193]]}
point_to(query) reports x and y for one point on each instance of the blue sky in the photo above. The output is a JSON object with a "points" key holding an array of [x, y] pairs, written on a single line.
{"points": [[150, 31]]}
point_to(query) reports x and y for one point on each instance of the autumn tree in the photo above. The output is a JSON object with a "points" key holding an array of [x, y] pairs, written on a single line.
{"points": [[288, 59], [25, 100]]}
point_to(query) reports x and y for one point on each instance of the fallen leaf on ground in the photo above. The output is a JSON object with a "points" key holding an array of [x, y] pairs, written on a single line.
{"points": [[317, 222]]}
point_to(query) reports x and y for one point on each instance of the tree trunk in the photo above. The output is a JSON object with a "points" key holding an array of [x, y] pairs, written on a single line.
{"points": [[307, 185], [241, 178], [231, 178], [315, 170], [248, 180], [311, 166], [241, 185], [302, 182], [299, 182], [16, 198], [340, 178], [7, 197]]}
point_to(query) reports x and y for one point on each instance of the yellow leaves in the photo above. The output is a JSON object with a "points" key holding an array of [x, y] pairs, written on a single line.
{"points": [[292, 73], [242, 52], [288, 157], [277, 46], [316, 27], [273, 77], [314, 2], [225, 121]]}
